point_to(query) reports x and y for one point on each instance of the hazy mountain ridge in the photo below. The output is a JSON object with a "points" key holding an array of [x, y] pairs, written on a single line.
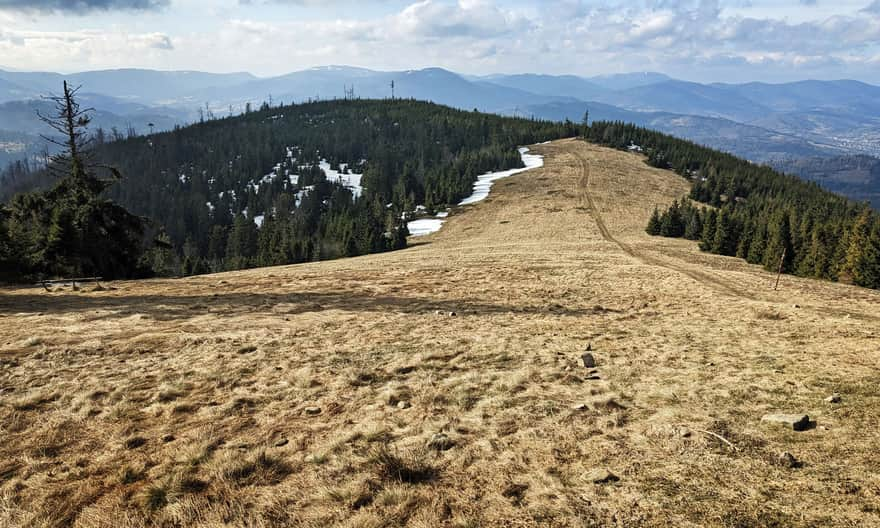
{"points": [[855, 176], [762, 122]]}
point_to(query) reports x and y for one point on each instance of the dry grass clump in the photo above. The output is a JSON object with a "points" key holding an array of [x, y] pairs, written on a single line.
{"points": [[410, 466], [771, 315], [169, 392], [34, 400], [174, 489], [259, 469], [130, 475]]}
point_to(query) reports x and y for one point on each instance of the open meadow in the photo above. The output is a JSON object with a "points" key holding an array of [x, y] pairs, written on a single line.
{"points": [[443, 385]]}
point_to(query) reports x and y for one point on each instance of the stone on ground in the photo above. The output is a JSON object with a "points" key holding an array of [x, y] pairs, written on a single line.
{"points": [[600, 476], [796, 422]]}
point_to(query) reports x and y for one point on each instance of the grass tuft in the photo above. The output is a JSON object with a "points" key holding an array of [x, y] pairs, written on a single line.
{"points": [[259, 470], [156, 497], [411, 466]]}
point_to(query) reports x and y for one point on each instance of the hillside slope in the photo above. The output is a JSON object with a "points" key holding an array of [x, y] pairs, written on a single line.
{"points": [[264, 397]]}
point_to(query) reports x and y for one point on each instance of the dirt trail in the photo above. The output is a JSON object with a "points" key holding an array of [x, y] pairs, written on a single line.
{"points": [[704, 277], [306, 395]]}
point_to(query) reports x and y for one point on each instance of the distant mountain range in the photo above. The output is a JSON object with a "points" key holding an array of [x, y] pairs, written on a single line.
{"points": [[770, 123]]}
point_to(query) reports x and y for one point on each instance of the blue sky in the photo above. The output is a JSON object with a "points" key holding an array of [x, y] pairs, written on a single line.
{"points": [[703, 40]]}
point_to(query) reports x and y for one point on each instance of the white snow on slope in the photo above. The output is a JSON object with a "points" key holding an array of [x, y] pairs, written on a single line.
{"points": [[426, 226], [350, 181], [484, 182]]}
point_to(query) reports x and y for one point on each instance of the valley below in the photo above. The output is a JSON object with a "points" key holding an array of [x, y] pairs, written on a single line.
{"points": [[443, 385]]}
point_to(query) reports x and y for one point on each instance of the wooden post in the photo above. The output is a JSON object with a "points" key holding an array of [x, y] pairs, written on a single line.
{"points": [[779, 274]]}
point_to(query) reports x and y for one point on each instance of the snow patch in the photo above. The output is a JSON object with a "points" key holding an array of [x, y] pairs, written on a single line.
{"points": [[426, 226], [350, 181], [484, 182]]}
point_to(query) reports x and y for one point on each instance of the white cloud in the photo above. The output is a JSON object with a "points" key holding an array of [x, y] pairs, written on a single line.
{"points": [[691, 38], [59, 50]]}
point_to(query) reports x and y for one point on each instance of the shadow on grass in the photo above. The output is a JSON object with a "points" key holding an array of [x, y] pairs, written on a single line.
{"points": [[176, 307]]}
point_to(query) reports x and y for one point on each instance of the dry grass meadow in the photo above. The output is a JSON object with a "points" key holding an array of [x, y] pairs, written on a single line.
{"points": [[442, 385]]}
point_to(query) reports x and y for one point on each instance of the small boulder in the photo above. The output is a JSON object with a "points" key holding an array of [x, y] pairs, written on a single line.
{"points": [[796, 422], [440, 442], [600, 476], [394, 396], [786, 459], [403, 405], [580, 407], [834, 398], [281, 442], [312, 411], [589, 360]]}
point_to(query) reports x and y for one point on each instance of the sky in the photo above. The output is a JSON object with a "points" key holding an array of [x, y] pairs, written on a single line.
{"points": [[700, 40]]}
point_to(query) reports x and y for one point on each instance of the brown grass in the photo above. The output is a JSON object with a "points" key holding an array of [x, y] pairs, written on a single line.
{"points": [[130, 407]]}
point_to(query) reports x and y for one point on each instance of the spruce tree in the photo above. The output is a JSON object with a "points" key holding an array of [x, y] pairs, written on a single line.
{"points": [[779, 243], [653, 228], [862, 258], [723, 243], [694, 228], [707, 239]]}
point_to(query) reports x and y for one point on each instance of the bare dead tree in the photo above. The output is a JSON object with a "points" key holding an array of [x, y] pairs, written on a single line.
{"points": [[76, 158], [70, 121]]}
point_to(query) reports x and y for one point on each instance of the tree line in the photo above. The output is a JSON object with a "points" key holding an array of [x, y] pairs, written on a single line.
{"points": [[753, 212], [248, 190]]}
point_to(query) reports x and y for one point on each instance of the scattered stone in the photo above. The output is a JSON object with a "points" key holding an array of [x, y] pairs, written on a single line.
{"points": [[135, 442], [452, 314], [589, 360], [515, 492], [608, 404], [282, 442], [403, 405], [796, 422], [796, 306], [440, 442], [834, 398], [394, 396], [684, 432], [580, 407], [786, 459], [168, 438], [601, 476], [312, 411]]}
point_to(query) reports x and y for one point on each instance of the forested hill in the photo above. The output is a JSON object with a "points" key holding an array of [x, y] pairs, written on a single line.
{"points": [[756, 213], [253, 190]]}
